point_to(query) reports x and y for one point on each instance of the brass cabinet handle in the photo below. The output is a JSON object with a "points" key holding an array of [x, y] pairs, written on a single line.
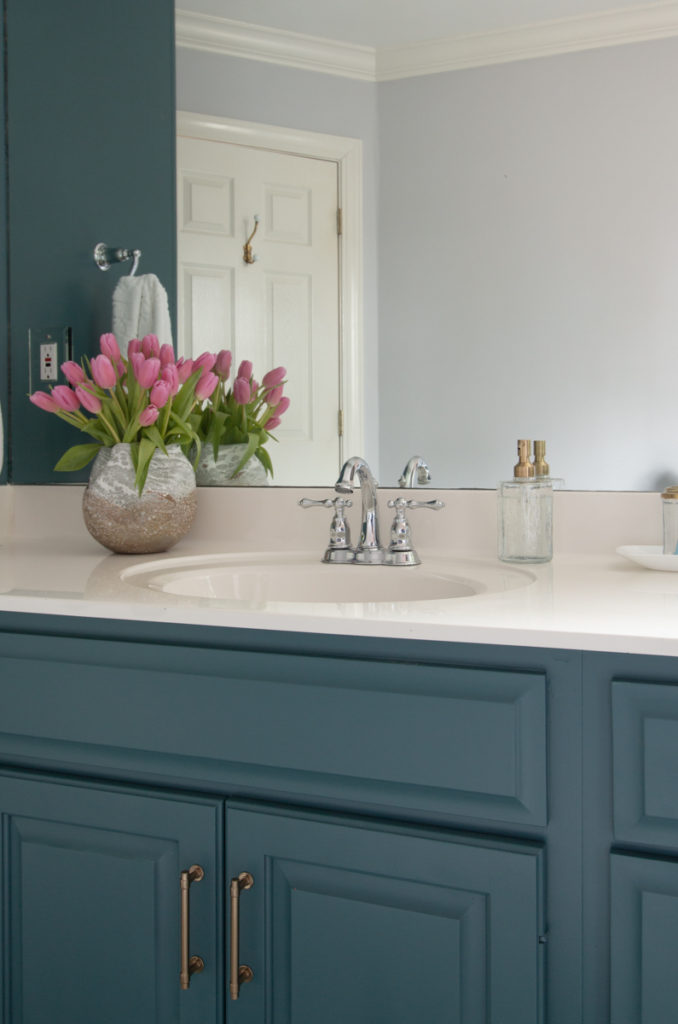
{"points": [[240, 973], [189, 964]]}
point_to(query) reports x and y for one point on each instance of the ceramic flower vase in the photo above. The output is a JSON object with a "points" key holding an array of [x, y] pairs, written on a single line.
{"points": [[130, 523], [211, 472]]}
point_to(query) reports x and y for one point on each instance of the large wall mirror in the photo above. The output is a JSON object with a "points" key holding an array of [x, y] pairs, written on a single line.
{"points": [[519, 229], [519, 219]]}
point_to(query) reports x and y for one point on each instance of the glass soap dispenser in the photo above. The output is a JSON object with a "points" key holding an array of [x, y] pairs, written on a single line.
{"points": [[525, 509]]}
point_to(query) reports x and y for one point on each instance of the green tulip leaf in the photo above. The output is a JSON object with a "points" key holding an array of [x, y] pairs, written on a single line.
{"points": [[146, 449], [264, 459], [77, 457]]}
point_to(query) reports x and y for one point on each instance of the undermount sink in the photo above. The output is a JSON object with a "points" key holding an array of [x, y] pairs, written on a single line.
{"points": [[265, 579]]}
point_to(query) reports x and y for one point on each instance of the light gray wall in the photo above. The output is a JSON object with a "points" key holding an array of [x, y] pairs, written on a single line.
{"points": [[528, 267], [268, 94]]}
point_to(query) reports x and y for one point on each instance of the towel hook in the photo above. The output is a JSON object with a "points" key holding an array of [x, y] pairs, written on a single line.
{"points": [[105, 256], [247, 254]]}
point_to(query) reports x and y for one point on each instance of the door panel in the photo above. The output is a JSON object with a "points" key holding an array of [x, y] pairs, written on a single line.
{"points": [[93, 907], [644, 926], [284, 308], [350, 920]]}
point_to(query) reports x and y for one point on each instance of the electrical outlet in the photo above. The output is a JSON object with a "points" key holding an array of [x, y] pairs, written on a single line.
{"points": [[48, 361], [48, 348]]}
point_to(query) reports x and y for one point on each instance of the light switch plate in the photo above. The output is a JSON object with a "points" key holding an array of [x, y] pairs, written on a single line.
{"points": [[48, 348]]}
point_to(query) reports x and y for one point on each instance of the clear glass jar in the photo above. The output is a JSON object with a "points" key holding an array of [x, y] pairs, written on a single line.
{"points": [[670, 520], [525, 520]]}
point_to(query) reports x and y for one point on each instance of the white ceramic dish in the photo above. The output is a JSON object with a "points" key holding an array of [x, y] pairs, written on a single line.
{"points": [[650, 556]]}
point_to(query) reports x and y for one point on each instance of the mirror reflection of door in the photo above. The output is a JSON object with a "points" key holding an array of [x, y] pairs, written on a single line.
{"points": [[281, 309]]}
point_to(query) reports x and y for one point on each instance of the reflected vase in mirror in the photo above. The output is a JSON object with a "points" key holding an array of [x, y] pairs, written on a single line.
{"points": [[132, 523], [223, 471]]}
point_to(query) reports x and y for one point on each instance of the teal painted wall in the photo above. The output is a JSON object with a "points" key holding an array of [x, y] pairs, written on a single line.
{"points": [[91, 143], [4, 327]]}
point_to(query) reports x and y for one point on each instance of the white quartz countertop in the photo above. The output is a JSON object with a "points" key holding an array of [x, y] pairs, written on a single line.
{"points": [[585, 600]]}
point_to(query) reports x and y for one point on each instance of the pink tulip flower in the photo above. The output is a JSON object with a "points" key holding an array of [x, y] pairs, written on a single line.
{"points": [[65, 398], [160, 393], [274, 396], [109, 347], [146, 371], [241, 390], [103, 372], [150, 346], [44, 401], [148, 416], [73, 372], [222, 366], [206, 385], [133, 347], [282, 406], [274, 377], [205, 361], [245, 369], [171, 375], [88, 400], [272, 423], [166, 355], [184, 369], [121, 368]]}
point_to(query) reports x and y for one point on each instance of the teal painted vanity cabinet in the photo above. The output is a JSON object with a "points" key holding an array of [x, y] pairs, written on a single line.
{"points": [[630, 812], [91, 909], [409, 813]]}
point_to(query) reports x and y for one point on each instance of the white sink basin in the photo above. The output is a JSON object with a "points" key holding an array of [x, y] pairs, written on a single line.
{"points": [[265, 579]]}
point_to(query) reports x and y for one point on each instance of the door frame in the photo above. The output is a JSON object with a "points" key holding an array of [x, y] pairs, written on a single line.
{"points": [[347, 154]]}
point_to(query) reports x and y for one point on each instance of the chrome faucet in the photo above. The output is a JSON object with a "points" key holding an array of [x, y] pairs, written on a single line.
{"points": [[416, 467], [369, 551]]}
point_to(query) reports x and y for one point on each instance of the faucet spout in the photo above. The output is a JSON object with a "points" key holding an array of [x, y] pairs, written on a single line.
{"points": [[369, 551]]}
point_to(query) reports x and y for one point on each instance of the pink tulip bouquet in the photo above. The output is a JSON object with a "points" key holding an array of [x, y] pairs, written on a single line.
{"points": [[145, 400], [243, 413]]}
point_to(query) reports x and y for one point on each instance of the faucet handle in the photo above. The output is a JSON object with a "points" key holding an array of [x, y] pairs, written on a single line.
{"points": [[339, 548], [404, 503], [400, 550]]}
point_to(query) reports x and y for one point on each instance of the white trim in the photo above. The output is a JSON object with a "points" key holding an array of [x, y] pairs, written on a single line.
{"points": [[275, 46], [347, 153], [543, 39]]}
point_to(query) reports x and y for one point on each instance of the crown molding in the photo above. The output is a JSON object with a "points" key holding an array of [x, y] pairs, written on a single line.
{"points": [[545, 39], [274, 46]]}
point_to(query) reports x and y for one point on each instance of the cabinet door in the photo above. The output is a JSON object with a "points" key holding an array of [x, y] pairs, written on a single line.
{"points": [[644, 918], [92, 906], [354, 920]]}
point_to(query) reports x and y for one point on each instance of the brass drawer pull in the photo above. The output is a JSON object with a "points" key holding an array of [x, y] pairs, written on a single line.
{"points": [[193, 964], [240, 973]]}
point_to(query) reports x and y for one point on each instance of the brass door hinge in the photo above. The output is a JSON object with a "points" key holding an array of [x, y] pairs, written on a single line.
{"points": [[340, 423], [340, 222]]}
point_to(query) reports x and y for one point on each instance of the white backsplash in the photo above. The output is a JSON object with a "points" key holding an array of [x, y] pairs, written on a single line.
{"points": [[585, 522]]}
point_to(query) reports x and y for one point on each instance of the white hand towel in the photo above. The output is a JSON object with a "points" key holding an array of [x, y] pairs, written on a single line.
{"points": [[140, 307]]}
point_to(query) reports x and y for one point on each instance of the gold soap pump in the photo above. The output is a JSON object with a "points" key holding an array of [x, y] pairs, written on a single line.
{"points": [[525, 508], [541, 466], [523, 469]]}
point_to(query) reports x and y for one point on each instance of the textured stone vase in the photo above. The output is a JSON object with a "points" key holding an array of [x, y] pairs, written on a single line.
{"points": [[130, 523], [219, 473]]}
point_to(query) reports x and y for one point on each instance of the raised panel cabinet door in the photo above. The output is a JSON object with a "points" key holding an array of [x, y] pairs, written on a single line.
{"points": [[92, 904], [361, 921], [644, 941]]}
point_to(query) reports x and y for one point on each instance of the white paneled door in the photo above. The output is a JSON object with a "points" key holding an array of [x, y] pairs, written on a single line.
{"points": [[282, 309]]}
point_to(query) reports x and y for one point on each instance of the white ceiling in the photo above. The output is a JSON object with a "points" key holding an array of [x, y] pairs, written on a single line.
{"points": [[393, 23]]}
